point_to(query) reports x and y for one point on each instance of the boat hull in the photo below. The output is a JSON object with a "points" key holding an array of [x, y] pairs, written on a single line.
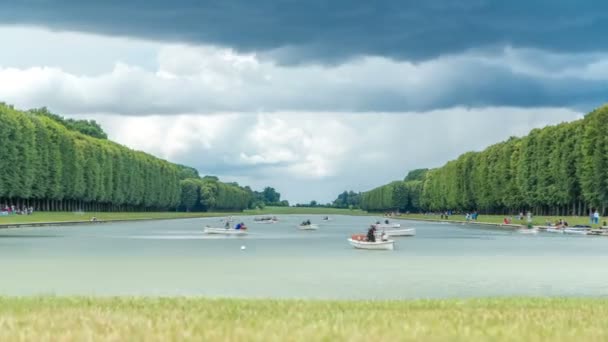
{"points": [[555, 230], [309, 227], [387, 226], [379, 245], [224, 231]]}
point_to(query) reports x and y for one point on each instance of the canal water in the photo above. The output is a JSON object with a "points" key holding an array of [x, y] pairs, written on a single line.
{"points": [[175, 258]]}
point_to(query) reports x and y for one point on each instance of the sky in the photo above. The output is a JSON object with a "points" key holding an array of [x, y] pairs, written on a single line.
{"points": [[310, 97]]}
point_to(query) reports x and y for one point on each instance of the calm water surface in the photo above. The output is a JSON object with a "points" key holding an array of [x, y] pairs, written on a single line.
{"points": [[174, 257]]}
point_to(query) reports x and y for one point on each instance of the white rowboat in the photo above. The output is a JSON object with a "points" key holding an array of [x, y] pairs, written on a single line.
{"points": [[387, 226], [378, 245], [555, 230], [398, 232], [266, 221], [224, 231]]}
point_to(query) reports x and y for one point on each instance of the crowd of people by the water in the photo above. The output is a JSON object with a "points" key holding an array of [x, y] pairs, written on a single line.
{"points": [[6, 210]]}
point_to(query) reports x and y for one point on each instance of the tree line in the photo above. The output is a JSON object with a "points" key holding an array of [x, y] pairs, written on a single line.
{"points": [[556, 170], [57, 164]]}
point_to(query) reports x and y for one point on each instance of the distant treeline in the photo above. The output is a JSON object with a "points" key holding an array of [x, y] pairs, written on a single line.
{"points": [[556, 170], [52, 163]]}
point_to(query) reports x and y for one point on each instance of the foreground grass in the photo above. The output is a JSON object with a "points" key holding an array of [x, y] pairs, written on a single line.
{"points": [[178, 319], [71, 216], [498, 219]]}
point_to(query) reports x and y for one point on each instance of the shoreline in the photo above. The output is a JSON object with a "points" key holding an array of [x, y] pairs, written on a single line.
{"points": [[101, 221], [481, 223]]}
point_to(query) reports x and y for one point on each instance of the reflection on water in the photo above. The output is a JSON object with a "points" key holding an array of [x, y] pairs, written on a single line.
{"points": [[175, 257]]}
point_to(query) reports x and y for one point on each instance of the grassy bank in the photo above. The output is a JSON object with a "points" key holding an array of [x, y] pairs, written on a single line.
{"points": [[498, 219], [178, 319], [71, 216]]}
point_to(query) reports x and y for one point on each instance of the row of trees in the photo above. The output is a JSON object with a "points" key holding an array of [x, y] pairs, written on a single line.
{"points": [[556, 170], [347, 199], [51, 167], [52, 163]]}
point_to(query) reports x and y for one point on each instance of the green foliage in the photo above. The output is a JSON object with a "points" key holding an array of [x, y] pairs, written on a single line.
{"points": [[556, 170], [60, 164], [186, 172], [347, 199], [87, 127], [416, 175]]}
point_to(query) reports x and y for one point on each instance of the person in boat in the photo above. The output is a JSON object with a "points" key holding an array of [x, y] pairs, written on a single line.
{"points": [[371, 234], [386, 221], [227, 225], [383, 236], [240, 226]]}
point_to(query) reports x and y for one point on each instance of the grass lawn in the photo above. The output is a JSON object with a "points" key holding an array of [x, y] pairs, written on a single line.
{"points": [[180, 319]]}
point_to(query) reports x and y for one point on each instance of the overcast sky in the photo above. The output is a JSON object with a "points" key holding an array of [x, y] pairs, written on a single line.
{"points": [[314, 97]]}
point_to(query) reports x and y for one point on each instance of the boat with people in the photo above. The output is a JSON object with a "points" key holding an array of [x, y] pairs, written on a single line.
{"points": [[578, 230], [307, 225], [386, 225], [387, 245], [399, 232], [370, 241], [326, 218], [239, 229]]}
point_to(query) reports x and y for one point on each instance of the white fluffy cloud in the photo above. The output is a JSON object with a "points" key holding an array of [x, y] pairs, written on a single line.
{"points": [[317, 156]]}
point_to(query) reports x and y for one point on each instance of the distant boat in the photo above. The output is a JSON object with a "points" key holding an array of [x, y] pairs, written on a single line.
{"points": [[308, 227]]}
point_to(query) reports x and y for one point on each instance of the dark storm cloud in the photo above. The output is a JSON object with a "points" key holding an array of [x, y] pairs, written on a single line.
{"points": [[330, 31]]}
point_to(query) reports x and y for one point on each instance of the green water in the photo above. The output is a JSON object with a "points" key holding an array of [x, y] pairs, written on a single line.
{"points": [[174, 257]]}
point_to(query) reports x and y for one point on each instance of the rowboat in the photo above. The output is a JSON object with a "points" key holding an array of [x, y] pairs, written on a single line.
{"points": [[225, 231], [555, 230], [266, 221], [308, 227], [387, 226], [388, 245], [398, 232]]}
